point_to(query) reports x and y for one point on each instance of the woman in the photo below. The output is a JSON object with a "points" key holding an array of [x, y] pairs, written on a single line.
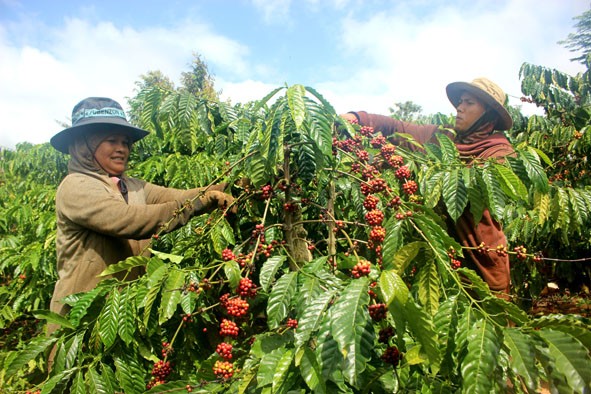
{"points": [[480, 113], [103, 216]]}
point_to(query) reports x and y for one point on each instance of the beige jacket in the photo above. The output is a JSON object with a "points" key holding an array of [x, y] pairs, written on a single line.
{"points": [[97, 228]]}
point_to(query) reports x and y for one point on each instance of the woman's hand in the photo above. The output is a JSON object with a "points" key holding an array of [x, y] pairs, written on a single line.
{"points": [[213, 199]]}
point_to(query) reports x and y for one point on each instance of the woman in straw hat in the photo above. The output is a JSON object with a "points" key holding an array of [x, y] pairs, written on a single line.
{"points": [[104, 216], [480, 116]]}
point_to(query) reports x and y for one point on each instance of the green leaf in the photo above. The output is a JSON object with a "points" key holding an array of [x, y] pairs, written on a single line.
{"points": [[392, 242], [352, 328], [535, 171], [280, 299], [127, 315], [496, 199], [295, 99], [155, 281], [480, 362], [421, 326], [475, 282], [80, 308], [232, 271], [511, 183], [429, 283], [393, 289], [522, 361], [53, 318], [60, 379], [173, 258], [573, 325], [109, 319], [78, 384], [33, 349], [311, 317], [129, 372], [128, 263], [268, 365], [404, 256], [269, 270], [311, 371], [571, 359], [448, 148], [445, 322], [281, 370], [171, 295], [95, 382], [455, 194]]}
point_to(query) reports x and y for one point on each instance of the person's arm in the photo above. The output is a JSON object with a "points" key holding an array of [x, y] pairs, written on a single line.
{"points": [[388, 126], [91, 204]]}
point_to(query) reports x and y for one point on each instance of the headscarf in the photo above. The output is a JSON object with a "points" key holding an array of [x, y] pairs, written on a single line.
{"points": [[480, 129], [82, 153]]}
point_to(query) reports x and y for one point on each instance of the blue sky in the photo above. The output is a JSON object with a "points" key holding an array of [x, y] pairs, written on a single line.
{"points": [[358, 54]]}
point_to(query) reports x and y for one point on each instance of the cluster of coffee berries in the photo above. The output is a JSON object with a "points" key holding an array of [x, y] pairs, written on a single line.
{"points": [[402, 173], [228, 255], [526, 99], [223, 369], [362, 155], [224, 349], [395, 161], [395, 202], [193, 287], [371, 202], [366, 131], [377, 185], [455, 264], [228, 328], [348, 145], [410, 187], [378, 141], [290, 207], [521, 252], [403, 215], [369, 172], [237, 307], [377, 311], [501, 250], [387, 151], [292, 323], [247, 288], [360, 269], [266, 192], [391, 356], [374, 217], [482, 248], [166, 349], [385, 334], [370, 291], [377, 234], [160, 372], [259, 230]]}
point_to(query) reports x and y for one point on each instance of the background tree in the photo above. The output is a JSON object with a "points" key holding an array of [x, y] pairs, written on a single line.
{"points": [[198, 81], [580, 41]]}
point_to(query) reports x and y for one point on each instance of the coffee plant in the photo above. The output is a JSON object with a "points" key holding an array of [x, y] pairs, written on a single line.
{"points": [[337, 275]]}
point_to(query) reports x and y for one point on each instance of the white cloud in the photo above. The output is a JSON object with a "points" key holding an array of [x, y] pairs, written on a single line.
{"points": [[40, 87], [403, 57]]}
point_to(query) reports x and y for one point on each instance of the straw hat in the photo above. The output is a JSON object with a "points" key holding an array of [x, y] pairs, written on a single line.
{"points": [[489, 92]]}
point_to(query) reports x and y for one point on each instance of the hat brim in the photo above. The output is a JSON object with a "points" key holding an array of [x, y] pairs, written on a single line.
{"points": [[455, 89], [62, 140]]}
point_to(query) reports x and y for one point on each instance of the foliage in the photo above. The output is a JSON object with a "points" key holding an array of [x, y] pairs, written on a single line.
{"points": [[338, 275], [581, 40]]}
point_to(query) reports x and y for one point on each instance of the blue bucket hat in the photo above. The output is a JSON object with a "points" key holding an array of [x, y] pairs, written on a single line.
{"points": [[96, 114]]}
